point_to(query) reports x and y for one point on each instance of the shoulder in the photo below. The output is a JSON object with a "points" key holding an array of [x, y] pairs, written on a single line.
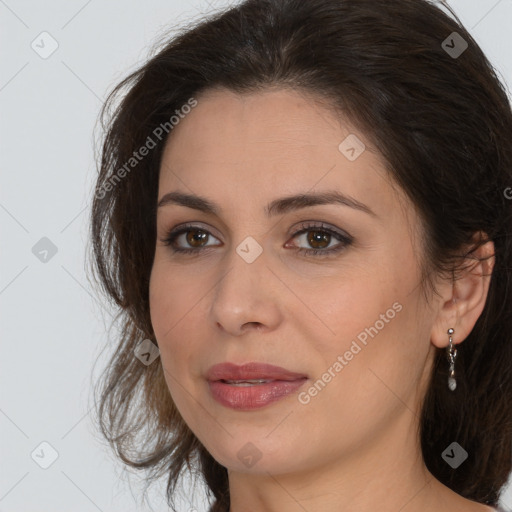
{"points": [[487, 508]]}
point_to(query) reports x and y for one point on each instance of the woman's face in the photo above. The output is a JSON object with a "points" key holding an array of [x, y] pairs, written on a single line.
{"points": [[350, 319]]}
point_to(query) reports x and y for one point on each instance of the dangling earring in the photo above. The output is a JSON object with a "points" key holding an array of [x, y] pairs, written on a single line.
{"points": [[451, 354]]}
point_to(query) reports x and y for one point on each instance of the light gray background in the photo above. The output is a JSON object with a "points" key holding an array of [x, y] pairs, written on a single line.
{"points": [[53, 327]]}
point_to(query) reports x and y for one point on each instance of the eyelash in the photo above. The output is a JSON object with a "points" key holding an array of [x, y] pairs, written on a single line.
{"points": [[345, 240]]}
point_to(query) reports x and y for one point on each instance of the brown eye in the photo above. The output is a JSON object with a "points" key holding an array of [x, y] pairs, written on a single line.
{"points": [[196, 238], [319, 239]]}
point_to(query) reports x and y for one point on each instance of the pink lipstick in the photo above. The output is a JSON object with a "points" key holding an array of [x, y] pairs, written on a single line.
{"points": [[252, 385]]}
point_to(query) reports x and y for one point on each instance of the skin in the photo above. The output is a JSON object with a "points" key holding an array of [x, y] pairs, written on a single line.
{"points": [[355, 445]]}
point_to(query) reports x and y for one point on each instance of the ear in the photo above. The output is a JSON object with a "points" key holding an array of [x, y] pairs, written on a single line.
{"points": [[462, 301]]}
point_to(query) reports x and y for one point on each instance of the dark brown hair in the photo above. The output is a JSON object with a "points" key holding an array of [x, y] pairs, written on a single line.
{"points": [[443, 124]]}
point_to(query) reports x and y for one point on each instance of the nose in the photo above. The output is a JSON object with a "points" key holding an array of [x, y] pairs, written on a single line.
{"points": [[247, 297]]}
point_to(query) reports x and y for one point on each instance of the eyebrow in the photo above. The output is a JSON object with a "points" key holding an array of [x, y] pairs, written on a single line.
{"points": [[276, 207]]}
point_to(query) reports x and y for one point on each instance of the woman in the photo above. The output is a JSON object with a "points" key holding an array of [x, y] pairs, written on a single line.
{"points": [[303, 214]]}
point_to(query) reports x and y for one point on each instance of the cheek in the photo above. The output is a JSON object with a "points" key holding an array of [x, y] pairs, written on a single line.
{"points": [[343, 306], [370, 320], [368, 375], [172, 296], [172, 307], [170, 303]]}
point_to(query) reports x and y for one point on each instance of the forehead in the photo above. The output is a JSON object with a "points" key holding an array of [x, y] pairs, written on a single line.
{"points": [[273, 120], [275, 142]]}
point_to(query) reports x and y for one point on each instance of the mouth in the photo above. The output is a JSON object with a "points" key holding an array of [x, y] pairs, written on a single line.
{"points": [[251, 373], [252, 385], [258, 383], [253, 382]]}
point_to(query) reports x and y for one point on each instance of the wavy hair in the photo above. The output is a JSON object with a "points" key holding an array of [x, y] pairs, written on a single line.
{"points": [[443, 124]]}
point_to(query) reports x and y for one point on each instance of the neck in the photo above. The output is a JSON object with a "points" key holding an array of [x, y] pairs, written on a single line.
{"points": [[387, 473]]}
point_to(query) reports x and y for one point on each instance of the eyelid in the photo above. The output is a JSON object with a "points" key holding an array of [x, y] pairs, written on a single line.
{"points": [[293, 231], [190, 225], [320, 226], [344, 239]]}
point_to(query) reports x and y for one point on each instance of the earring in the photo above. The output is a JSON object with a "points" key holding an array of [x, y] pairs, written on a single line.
{"points": [[451, 354]]}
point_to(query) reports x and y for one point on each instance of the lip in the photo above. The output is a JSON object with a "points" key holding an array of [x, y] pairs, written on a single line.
{"points": [[248, 371], [245, 398]]}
